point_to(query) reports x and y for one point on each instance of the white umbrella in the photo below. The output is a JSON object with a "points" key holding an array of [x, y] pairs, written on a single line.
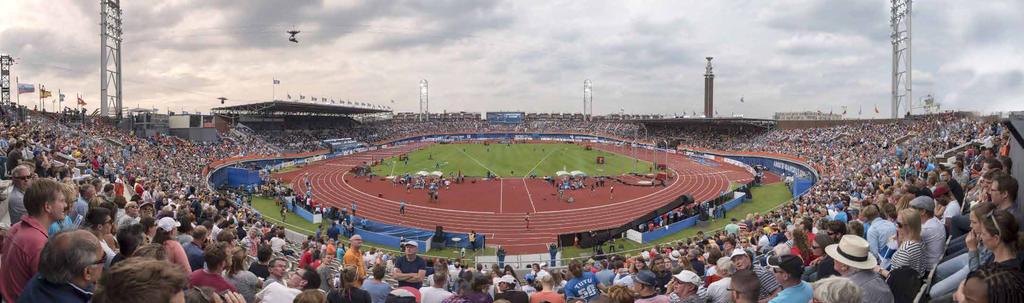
{"points": [[422, 173], [436, 173], [561, 173], [578, 173]]}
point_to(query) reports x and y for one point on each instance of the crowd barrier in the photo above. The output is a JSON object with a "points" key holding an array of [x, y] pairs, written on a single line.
{"points": [[298, 210], [803, 174], [667, 230], [234, 177], [392, 235]]}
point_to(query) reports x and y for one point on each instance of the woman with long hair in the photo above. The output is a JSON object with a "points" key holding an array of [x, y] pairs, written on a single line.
{"points": [[823, 266], [512, 272], [911, 250], [247, 283], [999, 235], [802, 247], [347, 290]]}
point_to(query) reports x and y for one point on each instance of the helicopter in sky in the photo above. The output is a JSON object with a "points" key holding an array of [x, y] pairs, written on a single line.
{"points": [[292, 37]]}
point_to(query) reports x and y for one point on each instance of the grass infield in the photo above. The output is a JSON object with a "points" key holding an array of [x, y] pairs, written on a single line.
{"points": [[511, 160], [766, 197]]}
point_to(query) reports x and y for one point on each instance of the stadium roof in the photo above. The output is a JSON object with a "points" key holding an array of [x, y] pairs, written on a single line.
{"points": [[295, 108]]}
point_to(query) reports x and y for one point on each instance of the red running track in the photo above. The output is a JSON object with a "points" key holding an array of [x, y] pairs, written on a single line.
{"points": [[497, 208]]}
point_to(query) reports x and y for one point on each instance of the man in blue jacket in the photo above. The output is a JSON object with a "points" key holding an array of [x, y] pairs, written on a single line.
{"points": [[69, 266]]}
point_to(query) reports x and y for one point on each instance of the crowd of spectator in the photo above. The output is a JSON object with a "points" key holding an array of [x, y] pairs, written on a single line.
{"points": [[303, 140], [97, 214]]}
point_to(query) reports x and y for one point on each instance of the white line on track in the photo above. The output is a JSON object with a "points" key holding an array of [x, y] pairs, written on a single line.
{"points": [[501, 195], [530, 196], [478, 162], [541, 161]]}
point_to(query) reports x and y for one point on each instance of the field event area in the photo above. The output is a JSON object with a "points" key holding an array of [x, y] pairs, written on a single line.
{"points": [[512, 160]]}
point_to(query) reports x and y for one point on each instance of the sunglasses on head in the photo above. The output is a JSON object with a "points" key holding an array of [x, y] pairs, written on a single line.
{"points": [[992, 216]]}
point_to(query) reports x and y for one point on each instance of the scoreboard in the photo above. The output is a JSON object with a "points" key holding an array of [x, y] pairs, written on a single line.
{"points": [[505, 117]]}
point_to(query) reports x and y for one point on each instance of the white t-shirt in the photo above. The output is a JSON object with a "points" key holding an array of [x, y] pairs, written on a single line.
{"points": [[718, 292], [276, 244], [276, 292], [433, 295], [952, 209]]}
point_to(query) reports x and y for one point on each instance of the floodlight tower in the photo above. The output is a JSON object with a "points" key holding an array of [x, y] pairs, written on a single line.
{"points": [[111, 94], [5, 78], [901, 67], [588, 99], [424, 101]]}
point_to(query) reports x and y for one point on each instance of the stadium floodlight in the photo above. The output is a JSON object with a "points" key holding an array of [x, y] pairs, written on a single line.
{"points": [[111, 94], [588, 99], [901, 67], [424, 101]]}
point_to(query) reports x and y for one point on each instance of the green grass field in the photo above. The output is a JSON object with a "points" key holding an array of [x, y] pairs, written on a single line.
{"points": [[516, 160], [766, 197]]}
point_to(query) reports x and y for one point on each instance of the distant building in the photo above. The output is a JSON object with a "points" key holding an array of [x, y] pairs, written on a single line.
{"points": [[808, 115]]}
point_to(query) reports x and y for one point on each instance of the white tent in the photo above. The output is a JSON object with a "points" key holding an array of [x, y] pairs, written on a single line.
{"points": [[578, 173], [561, 173], [422, 173], [437, 173]]}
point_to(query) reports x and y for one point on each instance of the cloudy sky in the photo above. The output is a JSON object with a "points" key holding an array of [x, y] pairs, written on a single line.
{"points": [[642, 56]]}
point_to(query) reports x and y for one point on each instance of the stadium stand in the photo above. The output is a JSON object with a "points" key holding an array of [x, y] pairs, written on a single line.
{"points": [[885, 196]]}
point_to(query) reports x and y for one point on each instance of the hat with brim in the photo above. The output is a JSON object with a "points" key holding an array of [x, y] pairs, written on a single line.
{"points": [[646, 277], [852, 251]]}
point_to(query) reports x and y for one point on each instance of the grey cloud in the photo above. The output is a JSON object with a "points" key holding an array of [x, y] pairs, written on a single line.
{"points": [[46, 51], [445, 22], [857, 17]]}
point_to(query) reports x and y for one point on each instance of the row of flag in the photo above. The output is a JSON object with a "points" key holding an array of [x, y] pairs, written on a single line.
{"points": [[24, 88], [819, 111], [333, 101]]}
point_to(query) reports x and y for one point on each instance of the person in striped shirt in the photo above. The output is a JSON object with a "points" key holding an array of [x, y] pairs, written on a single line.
{"points": [[911, 250], [769, 286]]}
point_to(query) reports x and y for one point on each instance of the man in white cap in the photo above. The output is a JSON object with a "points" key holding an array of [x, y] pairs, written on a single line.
{"points": [[686, 288], [853, 261], [933, 232], [410, 269], [507, 290], [769, 286]]}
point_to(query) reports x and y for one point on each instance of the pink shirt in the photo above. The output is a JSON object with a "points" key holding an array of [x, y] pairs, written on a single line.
{"points": [[176, 254], [201, 277], [21, 256]]}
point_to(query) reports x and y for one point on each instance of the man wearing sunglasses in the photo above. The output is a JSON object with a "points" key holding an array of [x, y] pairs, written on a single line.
{"points": [[21, 178], [787, 270], [70, 265]]}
